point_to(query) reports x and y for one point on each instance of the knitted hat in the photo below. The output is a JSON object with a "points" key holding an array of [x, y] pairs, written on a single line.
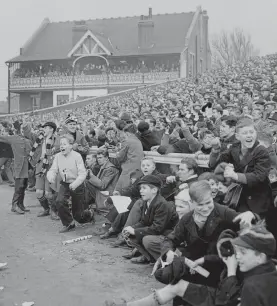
{"points": [[257, 238]]}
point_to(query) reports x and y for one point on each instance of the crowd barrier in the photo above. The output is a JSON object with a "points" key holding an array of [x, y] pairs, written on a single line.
{"points": [[170, 159], [85, 102]]}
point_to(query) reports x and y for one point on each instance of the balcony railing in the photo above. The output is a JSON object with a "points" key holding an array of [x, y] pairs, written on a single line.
{"points": [[83, 81]]}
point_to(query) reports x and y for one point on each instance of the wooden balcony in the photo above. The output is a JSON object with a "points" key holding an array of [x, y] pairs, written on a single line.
{"points": [[88, 81]]}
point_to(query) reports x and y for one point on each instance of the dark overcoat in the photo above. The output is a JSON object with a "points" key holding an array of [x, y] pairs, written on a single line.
{"points": [[256, 194], [195, 244], [21, 148], [159, 218]]}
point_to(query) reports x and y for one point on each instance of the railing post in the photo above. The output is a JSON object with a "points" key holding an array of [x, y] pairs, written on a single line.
{"points": [[143, 78], [73, 84], [40, 67], [9, 89]]}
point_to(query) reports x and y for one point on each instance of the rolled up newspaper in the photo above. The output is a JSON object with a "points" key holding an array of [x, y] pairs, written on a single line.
{"points": [[77, 239], [197, 269]]}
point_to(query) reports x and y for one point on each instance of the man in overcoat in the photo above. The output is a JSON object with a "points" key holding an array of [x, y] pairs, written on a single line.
{"points": [[21, 147]]}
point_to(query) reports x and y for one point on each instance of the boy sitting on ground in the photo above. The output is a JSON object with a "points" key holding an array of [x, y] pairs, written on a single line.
{"points": [[158, 217], [253, 250]]}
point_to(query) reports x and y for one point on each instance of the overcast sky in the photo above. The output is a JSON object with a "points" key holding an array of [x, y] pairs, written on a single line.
{"points": [[20, 18]]}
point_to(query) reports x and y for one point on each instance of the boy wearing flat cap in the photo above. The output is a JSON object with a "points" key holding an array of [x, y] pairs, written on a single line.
{"points": [[158, 217]]}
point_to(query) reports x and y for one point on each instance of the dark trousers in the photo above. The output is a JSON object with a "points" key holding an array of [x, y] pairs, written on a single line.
{"points": [[117, 220], [32, 178], [19, 192], [52, 201], [78, 212]]}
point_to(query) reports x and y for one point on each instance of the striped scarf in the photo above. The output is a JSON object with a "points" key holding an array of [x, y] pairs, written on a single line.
{"points": [[49, 145]]}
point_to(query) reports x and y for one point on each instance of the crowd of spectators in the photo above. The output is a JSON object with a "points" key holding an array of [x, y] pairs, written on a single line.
{"points": [[92, 69], [175, 213]]}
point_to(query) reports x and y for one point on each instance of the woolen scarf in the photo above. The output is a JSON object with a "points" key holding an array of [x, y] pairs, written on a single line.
{"points": [[49, 145]]}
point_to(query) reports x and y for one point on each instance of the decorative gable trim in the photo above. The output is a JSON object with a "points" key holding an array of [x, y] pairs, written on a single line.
{"points": [[81, 44]]}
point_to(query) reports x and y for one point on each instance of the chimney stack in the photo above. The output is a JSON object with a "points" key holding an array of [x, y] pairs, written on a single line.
{"points": [[146, 31], [150, 13]]}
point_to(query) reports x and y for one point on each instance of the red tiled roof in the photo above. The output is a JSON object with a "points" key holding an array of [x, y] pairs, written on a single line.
{"points": [[55, 40]]}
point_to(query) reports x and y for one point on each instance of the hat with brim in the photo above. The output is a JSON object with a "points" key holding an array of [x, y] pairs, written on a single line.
{"points": [[260, 102], [151, 180], [270, 103], [51, 124], [71, 118], [273, 116]]}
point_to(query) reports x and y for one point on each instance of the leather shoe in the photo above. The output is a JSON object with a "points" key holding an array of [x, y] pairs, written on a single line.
{"points": [[68, 228], [134, 253], [140, 260], [18, 210], [32, 189], [112, 303], [44, 213], [108, 235], [54, 216], [22, 207], [119, 243]]}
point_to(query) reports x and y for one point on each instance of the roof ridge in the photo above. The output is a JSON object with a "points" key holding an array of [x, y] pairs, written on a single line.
{"points": [[120, 17]]}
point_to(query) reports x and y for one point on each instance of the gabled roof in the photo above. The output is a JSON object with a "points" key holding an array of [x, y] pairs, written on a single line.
{"points": [[83, 39], [118, 35]]}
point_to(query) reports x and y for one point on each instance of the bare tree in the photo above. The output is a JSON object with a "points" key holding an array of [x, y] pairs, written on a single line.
{"points": [[230, 48]]}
